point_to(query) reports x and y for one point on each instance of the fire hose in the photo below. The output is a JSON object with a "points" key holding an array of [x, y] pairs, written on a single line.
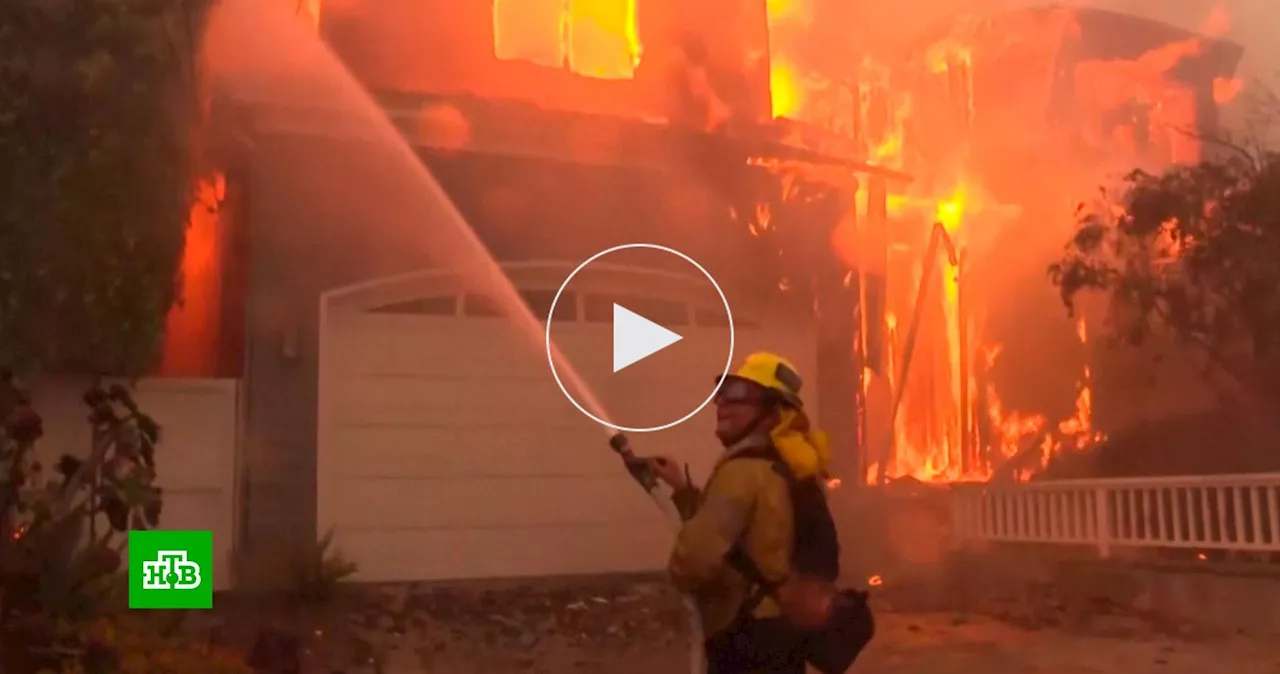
{"points": [[642, 473]]}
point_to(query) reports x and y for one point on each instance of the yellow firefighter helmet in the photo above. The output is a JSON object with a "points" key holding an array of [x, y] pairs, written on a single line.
{"points": [[773, 373]]}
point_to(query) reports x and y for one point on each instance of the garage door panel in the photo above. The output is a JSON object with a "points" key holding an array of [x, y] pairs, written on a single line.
{"points": [[418, 400], [435, 357], [385, 451], [448, 350], [692, 359], [692, 442], [491, 502], [655, 408], [446, 554], [448, 450]]}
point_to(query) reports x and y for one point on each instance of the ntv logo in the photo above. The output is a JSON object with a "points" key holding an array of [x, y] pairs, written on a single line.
{"points": [[170, 571]]}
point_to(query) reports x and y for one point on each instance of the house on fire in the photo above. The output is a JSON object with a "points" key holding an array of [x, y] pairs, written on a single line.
{"points": [[361, 385], [1054, 100], [329, 370]]}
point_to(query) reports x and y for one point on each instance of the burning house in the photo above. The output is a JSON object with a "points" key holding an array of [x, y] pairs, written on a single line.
{"points": [[1009, 121], [381, 390], [898, 211]]}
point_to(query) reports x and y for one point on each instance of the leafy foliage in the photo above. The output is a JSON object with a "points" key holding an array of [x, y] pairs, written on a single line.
{"points": [[99, 115], [58, 576], [1190, 256]]}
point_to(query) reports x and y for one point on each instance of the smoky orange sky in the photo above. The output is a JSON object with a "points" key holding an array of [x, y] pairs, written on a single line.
{"points": [[1251, 23]]}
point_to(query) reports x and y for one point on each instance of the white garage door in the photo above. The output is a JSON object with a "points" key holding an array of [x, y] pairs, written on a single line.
{"points": [[447, 451]]}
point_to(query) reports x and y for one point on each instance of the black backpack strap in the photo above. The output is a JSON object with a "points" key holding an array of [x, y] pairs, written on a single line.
{"points": [[742, 563], [737, 558]]}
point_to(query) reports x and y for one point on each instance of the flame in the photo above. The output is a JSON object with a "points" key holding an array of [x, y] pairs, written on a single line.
{"points": [[1142, 92], [310, 10], [1218, 22], [932, 434], [786, 82], [952, 423], [192, 328], [1225, 89], [780, 10], [875, 581], [785, 93], [595, 38], [884, 112]]}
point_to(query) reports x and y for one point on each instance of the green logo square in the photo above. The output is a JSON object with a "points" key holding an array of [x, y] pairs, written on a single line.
{"points": [[171, 569]]}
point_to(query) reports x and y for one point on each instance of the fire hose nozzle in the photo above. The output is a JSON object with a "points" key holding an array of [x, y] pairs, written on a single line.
{"points": [[639, 468]]}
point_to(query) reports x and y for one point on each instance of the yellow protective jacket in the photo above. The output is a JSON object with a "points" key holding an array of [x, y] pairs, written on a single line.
{"points": [[745, 501]]}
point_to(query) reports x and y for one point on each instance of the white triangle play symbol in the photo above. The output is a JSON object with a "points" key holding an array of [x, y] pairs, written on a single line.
{"points": [[636, 337]]}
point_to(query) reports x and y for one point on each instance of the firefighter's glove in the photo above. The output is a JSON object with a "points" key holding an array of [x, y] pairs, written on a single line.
{"points": [[670, 472]]}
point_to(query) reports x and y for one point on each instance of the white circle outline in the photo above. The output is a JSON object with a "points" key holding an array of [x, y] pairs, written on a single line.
{"points": [[728, 362]]}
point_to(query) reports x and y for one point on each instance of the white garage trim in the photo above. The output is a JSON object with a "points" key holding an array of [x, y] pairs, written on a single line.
{"points": [[536, 274], [444, 449]]}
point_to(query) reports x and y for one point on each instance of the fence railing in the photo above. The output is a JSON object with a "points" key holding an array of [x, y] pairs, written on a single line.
{"points": [[1219, 512]]}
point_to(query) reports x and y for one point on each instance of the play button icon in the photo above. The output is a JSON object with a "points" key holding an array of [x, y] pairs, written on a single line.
{"points": [[636, 337], [641, 336]]}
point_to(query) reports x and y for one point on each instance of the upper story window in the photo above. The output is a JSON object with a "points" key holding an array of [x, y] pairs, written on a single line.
{"points": [[592, 38]]}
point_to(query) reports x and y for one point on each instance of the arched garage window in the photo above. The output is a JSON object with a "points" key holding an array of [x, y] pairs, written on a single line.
{"points": [[440, 305], [599, 309], [538, 301], [592, 38], [715, 318]]}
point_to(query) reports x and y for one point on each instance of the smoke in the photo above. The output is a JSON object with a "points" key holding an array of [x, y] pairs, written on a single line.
{"points": [[1249, 23]]}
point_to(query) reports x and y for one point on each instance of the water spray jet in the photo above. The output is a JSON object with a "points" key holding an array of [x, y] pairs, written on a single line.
{"points": [[276, 56]]}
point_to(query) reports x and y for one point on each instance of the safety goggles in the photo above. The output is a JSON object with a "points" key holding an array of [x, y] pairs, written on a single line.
{"points": [[735, 391]]}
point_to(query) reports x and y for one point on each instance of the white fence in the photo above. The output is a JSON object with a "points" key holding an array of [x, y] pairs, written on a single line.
{"points": [[1220, 512], [195, 461]]}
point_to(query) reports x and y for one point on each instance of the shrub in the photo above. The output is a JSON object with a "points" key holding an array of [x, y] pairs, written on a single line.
{"points": [[62, 589]]}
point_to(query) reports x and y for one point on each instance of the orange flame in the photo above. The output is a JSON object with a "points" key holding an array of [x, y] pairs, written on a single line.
{"points": [[596, 38], [786, 82], [949, 405]]}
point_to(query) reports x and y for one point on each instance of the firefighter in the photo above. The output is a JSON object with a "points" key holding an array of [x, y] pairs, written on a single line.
{"points": [[735, 553]]}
